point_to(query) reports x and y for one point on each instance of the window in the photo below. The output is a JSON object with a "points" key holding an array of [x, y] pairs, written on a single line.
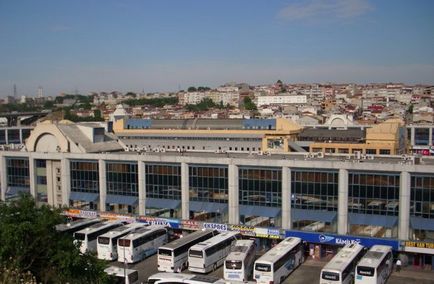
{"points": [[84, 176], [384, 152], [371, 151], [163, 181], [208, 183], [122, 178], [260, 186]]}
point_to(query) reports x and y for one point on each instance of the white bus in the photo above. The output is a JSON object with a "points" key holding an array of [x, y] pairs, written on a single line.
{"points": [[123, 276], [173, 256], [89, 235], [239, 262], [376, 266], [314, 227], [74, 226], [107, 243], [276, 264], [179, 278], [141, 243], [340, 269], [207, 255]]}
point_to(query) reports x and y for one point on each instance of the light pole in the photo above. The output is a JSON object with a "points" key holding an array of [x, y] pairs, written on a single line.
{"points": [[125, 267]]}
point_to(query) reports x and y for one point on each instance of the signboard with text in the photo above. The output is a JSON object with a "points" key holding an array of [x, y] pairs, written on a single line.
{"points": [[419, 247]]}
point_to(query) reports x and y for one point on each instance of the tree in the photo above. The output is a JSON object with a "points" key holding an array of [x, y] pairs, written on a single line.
{"points": [[191, 89], [30, 245], [249, 104]]}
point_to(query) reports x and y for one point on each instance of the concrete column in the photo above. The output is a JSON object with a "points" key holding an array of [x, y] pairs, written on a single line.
{"points": [[6, 136], [286, 198], [412, 136], [32, 177], [142, 187], [102, 185], [3, 178], [343, 202], [404, 206], [185, 192], [20, 130], [233, 192], [66, 181], [430, 136]]}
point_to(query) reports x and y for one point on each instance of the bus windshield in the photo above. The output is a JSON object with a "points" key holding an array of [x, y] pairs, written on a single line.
{"points": [[196, 253], [166, 252], [330, 276], [80, 236], [365, 271], [234, 264], [124, 243], [263, 267], [103, 240]]}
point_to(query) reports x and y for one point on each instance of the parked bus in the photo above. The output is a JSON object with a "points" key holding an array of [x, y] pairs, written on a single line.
{"points": [[178, 278], [276, 264], [173, 256], [74, 226], [210, 254], [141, 243], [108, 242], [340, 269], [376, 266], [239, 262], [89, 235], [123, 275], [258, 222], [314, 227]]}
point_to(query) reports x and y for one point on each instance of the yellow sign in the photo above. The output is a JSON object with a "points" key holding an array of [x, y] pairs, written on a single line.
{"points": [[419, 245]]}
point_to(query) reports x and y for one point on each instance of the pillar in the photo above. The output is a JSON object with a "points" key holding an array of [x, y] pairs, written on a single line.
{"points": [[32, 177], [286, 198], [142, 187], [343, 202], [102, 185], [233, 192], [3, 178], [404, 206], [66, 181], [185, 192]]}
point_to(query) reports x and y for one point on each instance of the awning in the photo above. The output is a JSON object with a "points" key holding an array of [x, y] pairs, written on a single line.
{"points": [[162, 203], [121, 199], [373, 220], [83, 196], [420, 223], [313, 215], [250, 210], [198, 206]]}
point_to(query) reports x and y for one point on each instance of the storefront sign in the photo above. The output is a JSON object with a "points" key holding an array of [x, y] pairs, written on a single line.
{"points": [[244, 230], [159, 221], [331, 239], [190, 225], [215, 226], [80, 213], [419, 247]]}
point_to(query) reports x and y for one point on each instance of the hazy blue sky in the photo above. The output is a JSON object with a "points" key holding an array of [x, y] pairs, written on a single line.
{"points": [[96, 45]]}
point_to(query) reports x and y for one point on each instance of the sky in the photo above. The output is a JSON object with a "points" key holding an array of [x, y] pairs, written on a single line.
{"points": [[161, 45]]}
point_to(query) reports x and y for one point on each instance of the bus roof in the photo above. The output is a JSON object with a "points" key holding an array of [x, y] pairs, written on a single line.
{"points": [[172, 276], [184, 240], [122, 229], [77, 223], [98, 226], [282, 247], [240, 249], [340, 261], [118, 271], [214, 240], [141, 232], [374, 256]]}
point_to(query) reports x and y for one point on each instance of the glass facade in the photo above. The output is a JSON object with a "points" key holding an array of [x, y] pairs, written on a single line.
{"points": [[421, 136], [41, 181], [260, 186], [163, 181], [373, 193], [208, 183], [84, 176], [422, 195], [18, 177], [121, 178]]}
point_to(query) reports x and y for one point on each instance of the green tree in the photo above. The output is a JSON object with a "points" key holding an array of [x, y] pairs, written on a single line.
{"points": [[30, 245], [191, 89], [249, 104]]}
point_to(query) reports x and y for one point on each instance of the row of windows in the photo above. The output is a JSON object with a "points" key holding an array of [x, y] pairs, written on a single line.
{"points": [[18, 172], [122, 178], [190, 138]]}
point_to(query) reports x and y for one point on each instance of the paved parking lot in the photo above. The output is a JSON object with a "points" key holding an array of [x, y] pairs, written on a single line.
{"points": [[305, 274]]}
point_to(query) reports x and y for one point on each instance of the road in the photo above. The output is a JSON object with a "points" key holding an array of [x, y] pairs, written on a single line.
{"points": [[305, 274]]}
